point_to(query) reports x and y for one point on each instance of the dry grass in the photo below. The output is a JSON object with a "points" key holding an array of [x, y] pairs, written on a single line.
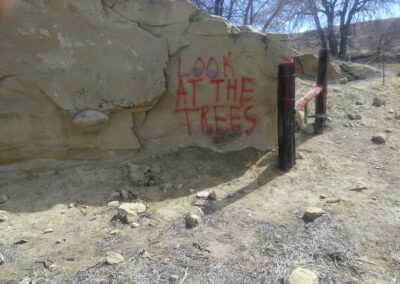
{"points": [[276, 250]]}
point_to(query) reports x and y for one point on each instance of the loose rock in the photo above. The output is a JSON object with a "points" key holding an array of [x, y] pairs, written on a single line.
{"points": [[48, 230], [379, 138], [2, 260], [359, 103], [192, 220], [309, 128], [135, 225], [3, 198], [3, 216], [173, 278], [114, 203], [156, 170], [302, 276], [378, 102], [343, 80], [127, 212], [353, 116], [136, 174], [300, 156], [313, 213], [213, 196], [114, 258]]}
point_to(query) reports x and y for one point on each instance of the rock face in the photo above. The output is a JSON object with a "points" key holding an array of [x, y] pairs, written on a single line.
{"points": [[118, 75]]}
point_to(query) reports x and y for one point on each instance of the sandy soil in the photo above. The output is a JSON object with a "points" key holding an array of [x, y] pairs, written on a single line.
{"points": [[252, 233]]}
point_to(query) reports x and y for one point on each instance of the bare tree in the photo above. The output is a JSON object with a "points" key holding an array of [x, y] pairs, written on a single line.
{"points": [[326, 14], [258, 13]]}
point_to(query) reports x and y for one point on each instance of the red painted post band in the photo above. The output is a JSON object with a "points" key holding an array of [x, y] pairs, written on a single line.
{"points": [[300, 104]]}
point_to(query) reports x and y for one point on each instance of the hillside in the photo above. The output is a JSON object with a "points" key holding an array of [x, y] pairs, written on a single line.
{"points": [[363, 42]]}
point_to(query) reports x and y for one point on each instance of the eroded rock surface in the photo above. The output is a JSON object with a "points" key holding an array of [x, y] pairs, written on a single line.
{"points": [[119, 75]]}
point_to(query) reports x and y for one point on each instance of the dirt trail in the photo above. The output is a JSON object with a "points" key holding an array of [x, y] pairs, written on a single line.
{"points": [[253, 232]]}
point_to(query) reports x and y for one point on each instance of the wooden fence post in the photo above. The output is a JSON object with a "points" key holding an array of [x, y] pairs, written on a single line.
{"points": [[286, 116], [320, 100]]}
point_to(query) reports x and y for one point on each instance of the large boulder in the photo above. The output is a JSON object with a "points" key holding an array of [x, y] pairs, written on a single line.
{"points": [[101, 76], [359, 71], [307, 65], [221, 94]]}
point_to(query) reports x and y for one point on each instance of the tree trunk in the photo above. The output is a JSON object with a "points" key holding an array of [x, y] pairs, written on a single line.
{"points": [[218, 7], [333, 44], [343, 43], [247, 12], [320, 32]]}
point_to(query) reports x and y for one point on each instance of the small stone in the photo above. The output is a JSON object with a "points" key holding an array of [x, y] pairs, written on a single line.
{"points": [[391, 111], [20, 242], [302, 276], [202, 195], [380, 138], [47, 263], [313, 213], [192, 220], [200, 202], [157, 170], [343, 81], [335, 90], [173, 278], [114, 203], [135, 225], [359, 103], [145, 254], [168, 185], [333, 200], [322, 196], [308, 128], [136, 174], [59, 241], [71, 205], [26, 280], [378, 102], [3, 216], [3, 198], [2, 260], [48, 230], [114, 258], [124, 194], [300, 156], [147, 170], [353, 116], [114, 232], [213, 196], [115, 195], [127, 212], [388, 131]]}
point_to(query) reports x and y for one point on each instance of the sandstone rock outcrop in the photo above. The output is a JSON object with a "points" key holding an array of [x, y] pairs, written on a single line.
{"points": [[307, 65], [111, 75]]}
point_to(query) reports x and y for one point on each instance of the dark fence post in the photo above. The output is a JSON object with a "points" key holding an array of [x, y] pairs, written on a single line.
{"points": [[320, 101], [286, 116]]}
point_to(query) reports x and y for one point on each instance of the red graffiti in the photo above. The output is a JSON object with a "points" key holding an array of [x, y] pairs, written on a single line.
{"points": [[233, 97]]}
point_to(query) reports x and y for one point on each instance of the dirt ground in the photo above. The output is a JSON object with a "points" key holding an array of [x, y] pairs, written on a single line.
{"points": [[60, 228]]}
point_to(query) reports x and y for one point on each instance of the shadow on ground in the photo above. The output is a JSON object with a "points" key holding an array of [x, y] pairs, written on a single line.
{"points": [[39, 185]]}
